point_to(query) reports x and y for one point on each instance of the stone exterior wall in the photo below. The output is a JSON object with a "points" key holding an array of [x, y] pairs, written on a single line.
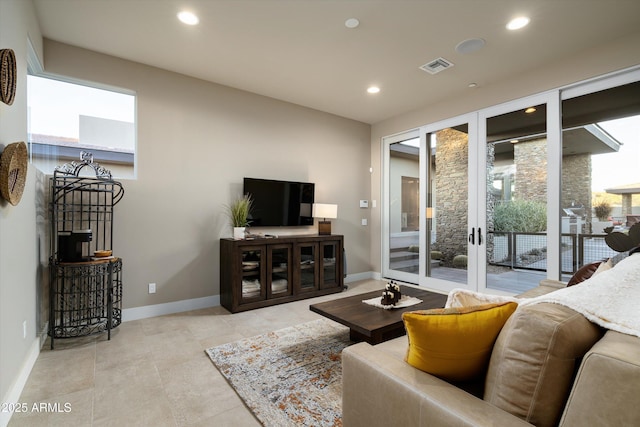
{"points": [[576, 184], [530, 158], [451, 187]]}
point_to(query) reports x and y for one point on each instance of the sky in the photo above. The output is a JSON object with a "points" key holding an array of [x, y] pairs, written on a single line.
{"points": [[59, 104], [621, 168]]}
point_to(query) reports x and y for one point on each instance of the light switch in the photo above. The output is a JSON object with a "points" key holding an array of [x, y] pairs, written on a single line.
{"points": [[364, 221]]}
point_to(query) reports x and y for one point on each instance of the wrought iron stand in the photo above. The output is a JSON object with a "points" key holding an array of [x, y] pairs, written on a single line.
{"points": [[85, 295]]}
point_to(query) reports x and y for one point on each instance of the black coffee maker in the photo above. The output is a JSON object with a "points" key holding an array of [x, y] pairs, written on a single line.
{"points": [[73, 245]]}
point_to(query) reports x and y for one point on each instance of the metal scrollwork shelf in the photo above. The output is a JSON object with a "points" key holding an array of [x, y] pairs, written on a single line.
{"points": [[85, 290]]}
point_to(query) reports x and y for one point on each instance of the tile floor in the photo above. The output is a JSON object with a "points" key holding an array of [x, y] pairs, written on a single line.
{"points": [[154, 372]]}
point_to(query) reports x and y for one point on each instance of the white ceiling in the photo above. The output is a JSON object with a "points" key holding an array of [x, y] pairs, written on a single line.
{"points": [[300, 50]]}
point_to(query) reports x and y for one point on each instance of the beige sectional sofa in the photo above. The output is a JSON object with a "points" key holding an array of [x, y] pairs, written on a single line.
{"points": [[549, 366]]}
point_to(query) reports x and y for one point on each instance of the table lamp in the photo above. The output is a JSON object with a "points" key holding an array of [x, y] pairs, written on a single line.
{"points": [[325, 211]]}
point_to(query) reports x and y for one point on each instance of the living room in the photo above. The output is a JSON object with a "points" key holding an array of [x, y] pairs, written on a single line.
{"points": [[196, 141]]}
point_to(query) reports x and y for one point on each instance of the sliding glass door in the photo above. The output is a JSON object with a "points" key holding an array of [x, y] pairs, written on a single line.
{"points": [[515, 193], [519, 194], [601, 154]]}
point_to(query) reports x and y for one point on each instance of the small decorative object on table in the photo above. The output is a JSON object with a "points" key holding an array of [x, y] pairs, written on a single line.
{"points": [[392, 298], [394, 289], [387, 298]]}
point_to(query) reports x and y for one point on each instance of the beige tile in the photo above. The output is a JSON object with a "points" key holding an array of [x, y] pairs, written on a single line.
{"points": [[239, 416], [219, 338], [197, 391], [155, 371], [154, 412], [172, 348], [127, 399], [207, 325], [126, 344], [61, 372], [123, 372], [161, 324]]}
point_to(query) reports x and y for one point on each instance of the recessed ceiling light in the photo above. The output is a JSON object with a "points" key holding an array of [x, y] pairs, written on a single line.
{"points": [[188, 18], [472, 85], [530, 110], [517, 23], [514, 141], [470, 45], [373, 89], [351, 23]]}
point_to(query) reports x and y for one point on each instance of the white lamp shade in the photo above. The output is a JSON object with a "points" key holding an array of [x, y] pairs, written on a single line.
{"points": [[323, 210]]}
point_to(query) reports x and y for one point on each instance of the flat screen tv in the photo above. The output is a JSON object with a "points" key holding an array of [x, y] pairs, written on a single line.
{"points": [[279, 203]]}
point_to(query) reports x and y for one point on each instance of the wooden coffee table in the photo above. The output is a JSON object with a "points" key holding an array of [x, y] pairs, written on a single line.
{"points": [[373, 324]]}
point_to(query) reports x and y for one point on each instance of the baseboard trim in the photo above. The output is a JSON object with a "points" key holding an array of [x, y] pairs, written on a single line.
{"points": [[14, 392], [136, 313], [144, 312], [367, 275]]}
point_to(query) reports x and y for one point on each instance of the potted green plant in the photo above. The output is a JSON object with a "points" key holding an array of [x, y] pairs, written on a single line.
{"points": [[238, 212], [602, 209]]}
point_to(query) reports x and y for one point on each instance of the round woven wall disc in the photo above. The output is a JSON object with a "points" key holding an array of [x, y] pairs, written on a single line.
{"points": [[8, 76], [13, 171]]}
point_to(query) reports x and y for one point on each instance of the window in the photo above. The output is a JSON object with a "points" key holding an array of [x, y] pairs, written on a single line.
{"points": [[67, 118]]}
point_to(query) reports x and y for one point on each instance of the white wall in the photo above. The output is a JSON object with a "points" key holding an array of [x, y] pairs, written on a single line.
{"points": [[196, 141], [19, 240]]}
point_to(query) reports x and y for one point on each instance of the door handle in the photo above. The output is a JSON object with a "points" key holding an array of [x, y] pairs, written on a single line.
{"points": [[472, 236], [479, 236]]}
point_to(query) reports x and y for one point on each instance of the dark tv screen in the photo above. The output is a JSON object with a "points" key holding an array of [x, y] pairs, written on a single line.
{"points": [[279, 203]]}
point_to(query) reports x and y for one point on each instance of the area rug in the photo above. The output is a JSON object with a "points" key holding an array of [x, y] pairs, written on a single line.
{"points": [[290, 377]]}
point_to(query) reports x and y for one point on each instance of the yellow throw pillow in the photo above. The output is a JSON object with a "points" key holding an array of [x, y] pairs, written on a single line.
{"points": [[455, 343]]}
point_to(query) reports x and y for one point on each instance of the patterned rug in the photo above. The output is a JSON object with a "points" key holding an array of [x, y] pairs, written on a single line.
{"points": [[290, 377]]}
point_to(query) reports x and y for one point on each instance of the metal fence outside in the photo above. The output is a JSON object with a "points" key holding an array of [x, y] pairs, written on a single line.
{"points": [[528, 251]]}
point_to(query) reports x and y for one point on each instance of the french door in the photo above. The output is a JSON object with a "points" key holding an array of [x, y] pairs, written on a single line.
{"points": [[457, 166], [429, 196], [448, 202]]}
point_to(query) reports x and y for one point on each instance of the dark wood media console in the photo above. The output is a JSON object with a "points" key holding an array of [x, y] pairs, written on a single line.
{"points": [[266, 271]]}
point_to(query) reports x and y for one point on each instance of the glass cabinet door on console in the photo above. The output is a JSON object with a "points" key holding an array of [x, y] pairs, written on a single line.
{"points": [[253, 274], [279, 271], [329, 274], [266, 271], [307, 259]]}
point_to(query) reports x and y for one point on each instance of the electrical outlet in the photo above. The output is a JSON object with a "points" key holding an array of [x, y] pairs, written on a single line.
{"points": [[152, 288], [24, 329], [364, 221]]}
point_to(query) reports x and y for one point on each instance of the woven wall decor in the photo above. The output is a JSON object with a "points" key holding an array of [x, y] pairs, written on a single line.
{"points": [[13, 171], [8, 76]]}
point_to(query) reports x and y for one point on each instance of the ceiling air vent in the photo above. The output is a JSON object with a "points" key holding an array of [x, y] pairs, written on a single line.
{"points": [[437, 65]]}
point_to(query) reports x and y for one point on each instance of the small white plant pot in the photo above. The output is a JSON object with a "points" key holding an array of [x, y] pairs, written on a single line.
{"points": [[238, 232]]}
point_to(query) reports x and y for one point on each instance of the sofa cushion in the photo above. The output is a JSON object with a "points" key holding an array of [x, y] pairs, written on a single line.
{"points": [[584, 273], [454, 343], [587, 271], [534, 361], [606, 389]]}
